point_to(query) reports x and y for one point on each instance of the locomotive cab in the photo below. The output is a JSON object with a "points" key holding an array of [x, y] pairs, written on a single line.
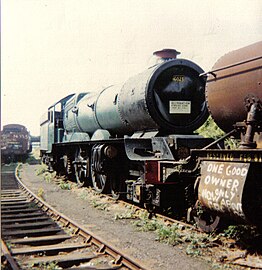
{"points": [[51, 128]]}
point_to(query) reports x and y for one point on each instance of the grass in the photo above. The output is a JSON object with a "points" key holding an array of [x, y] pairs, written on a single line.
{"points": [[172, 234], [145, 224], [165, 233], [128, 214], [198, 242], [84, 195], [40, 193], [244, 236], [65, 185], [46, 266], [169, 234], [41, 170], [237, 232], [100, 205]]}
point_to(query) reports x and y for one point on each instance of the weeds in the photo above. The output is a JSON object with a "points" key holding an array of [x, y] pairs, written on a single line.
{"points": [[174, 235], [65, 185], [193, 249], [40, 193], [19, 169], [32, 205], [84, 195], [169, 234], [9, 245], [199, 242], [235, 232], [195, 246], [210, 129], [47, 177], [128, 214], [242, 234], [41, 170], [99, 205], [146, 225], [165, 233], [46, 266]]}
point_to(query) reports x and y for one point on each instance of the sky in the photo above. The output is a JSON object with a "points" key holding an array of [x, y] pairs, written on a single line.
{"points": [[50, 49]]}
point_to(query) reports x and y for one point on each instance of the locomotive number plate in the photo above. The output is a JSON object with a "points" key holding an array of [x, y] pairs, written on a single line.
{"points": [[180, 106], [178, 78]]}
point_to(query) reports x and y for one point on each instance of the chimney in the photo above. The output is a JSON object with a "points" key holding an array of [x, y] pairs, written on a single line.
{"points": [[166, 54]]}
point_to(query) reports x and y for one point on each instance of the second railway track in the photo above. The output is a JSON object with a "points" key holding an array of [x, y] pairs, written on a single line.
{"points": [[35, 235]]}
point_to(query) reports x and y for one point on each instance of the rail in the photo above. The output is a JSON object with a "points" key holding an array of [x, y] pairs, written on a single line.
{"points": [[28, 223]]}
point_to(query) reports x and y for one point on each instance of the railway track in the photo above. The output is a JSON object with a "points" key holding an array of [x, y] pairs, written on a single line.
{"points": [[36, 236]]}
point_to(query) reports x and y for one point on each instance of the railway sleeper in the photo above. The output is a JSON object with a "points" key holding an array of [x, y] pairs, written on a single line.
{"points": [[28, 225], [63, 260], [14, 203], [55, 249], [23, 220], [26, 205], [22, 215], [28, 232], [40, 240]]}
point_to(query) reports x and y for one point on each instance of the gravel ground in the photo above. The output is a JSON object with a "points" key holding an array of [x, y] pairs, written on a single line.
{"points": [[121, 232]]}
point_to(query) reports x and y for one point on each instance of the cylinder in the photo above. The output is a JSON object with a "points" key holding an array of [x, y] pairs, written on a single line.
{"points": [[234, 83]]}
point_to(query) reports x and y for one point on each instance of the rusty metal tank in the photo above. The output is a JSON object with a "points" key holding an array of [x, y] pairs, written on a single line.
{"points": [[235, 80]]}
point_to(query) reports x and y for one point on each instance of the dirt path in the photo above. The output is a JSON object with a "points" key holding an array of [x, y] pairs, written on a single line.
{"points": [[121, 231]]}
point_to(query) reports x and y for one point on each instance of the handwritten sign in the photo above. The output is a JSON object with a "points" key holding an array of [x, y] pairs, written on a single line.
{"points": [[221, 186]]}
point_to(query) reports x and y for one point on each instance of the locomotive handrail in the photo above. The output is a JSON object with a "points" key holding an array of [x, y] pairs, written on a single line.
{"points": [[220, 139], [212, 72]]}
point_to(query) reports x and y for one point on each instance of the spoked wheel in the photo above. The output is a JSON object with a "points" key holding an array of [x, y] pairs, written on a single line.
{"points": [[206, 221], [100, 182], [99, 176], [80, 167]]}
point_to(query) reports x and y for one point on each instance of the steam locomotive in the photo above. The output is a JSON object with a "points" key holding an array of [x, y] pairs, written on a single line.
{"points": [[15, 143], [137, 139]]}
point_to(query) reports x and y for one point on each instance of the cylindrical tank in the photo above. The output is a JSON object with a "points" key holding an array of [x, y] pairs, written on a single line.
{"points": [[169, 97], [238, 77]]}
